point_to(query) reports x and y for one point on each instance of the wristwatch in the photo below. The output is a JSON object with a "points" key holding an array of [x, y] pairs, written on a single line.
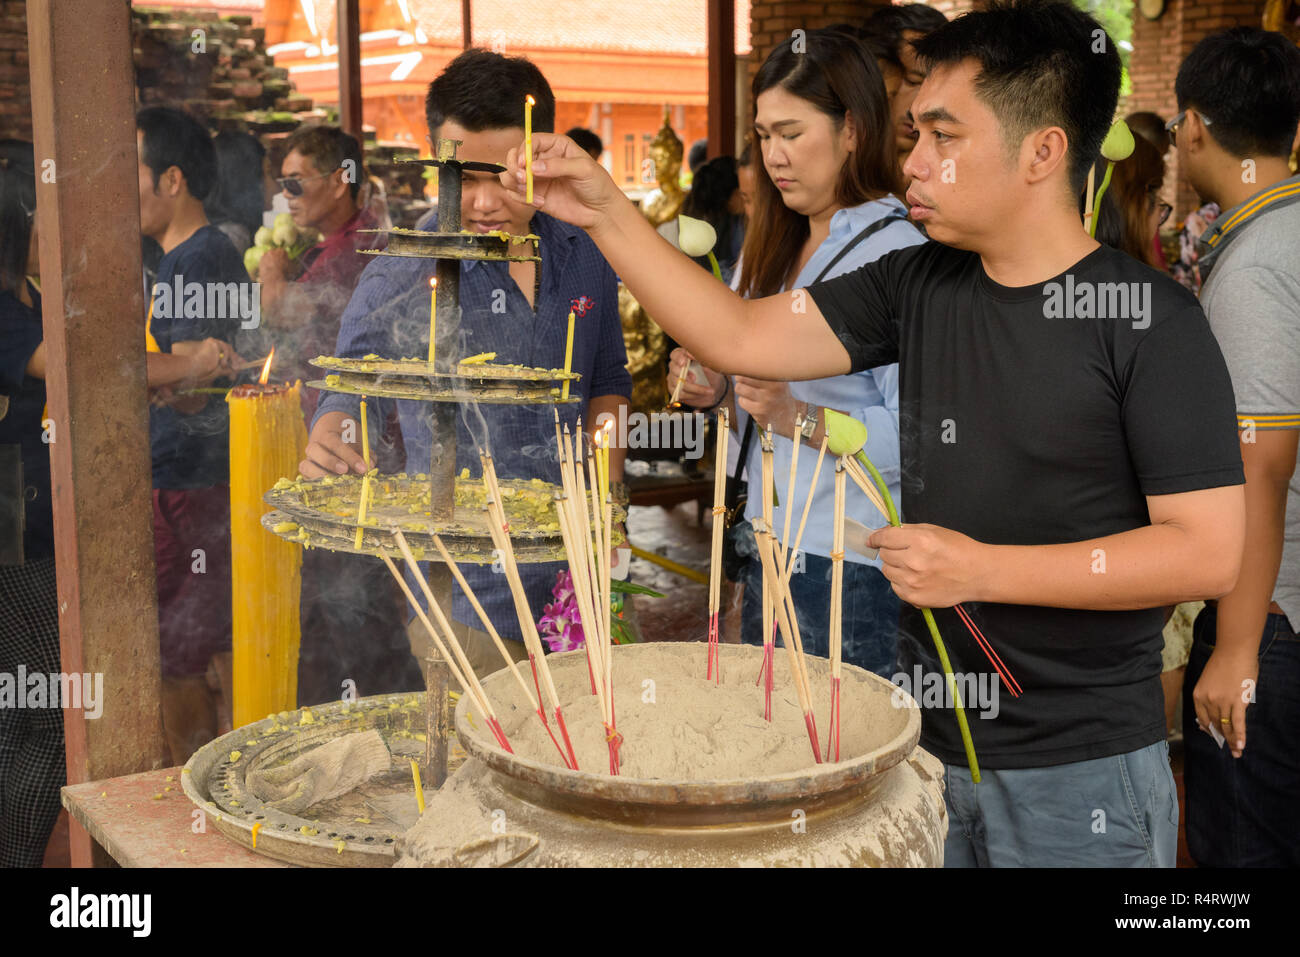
{"points": [[808, 422]]}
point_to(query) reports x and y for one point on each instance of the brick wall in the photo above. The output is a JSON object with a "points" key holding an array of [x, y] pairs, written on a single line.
{"points": [[15, 90], [1159, 47]]}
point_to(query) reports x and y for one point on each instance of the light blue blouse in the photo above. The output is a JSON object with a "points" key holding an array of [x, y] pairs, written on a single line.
{"points": [[870, 396]]}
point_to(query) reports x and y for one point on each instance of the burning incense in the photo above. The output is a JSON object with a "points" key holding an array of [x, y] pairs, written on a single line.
{"points": [[472, 687], [837, 609], [769, 616], [677, 387], [714, 667], [482, 617], [419, 788], [568, 362], [424, 620], [433, 318], [499, 530], [807, 506], [772, 585], [529, 103]]}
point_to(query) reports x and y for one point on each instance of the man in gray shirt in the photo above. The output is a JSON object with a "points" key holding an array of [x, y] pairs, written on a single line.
{"points": [[1239, 96]]}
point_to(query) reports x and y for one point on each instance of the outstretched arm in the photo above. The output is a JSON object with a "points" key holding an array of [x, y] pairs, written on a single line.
{"points": [[779, 337]]}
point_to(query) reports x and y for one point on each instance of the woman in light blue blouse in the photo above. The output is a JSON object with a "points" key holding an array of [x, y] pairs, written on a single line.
{"points": [[823, 207]]}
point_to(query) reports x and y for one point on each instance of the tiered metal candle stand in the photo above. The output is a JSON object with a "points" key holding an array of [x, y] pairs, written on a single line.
{"points": [[323, 512]]}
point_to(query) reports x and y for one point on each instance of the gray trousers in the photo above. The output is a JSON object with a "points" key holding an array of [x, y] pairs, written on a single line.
{"points": [[1120, 811]]}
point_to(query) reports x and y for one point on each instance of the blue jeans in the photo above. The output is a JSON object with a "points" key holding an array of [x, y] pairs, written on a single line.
{"points": [[869, 628], [1119, 811], [1245, 812]]}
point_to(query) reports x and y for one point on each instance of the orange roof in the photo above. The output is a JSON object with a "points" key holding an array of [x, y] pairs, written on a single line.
{"points": [[666, 26]]}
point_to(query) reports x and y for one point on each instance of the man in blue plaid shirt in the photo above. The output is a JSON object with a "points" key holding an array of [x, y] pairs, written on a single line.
{"points": [[478, 99]]}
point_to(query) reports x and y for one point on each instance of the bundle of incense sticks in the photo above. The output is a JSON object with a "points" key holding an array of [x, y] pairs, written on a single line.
{"points": [[714, 668], [837, 609], [863, 481], [459, 665], [586, 526], [500, 532], [775, 587]]}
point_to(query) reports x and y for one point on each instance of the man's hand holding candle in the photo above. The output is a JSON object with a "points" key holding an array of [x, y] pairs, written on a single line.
{"points": [[327, 453]]}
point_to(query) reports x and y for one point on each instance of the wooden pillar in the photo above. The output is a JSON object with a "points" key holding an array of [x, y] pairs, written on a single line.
{"points": [[722, 77], [348, 21], [88, 215], [466, 24]]}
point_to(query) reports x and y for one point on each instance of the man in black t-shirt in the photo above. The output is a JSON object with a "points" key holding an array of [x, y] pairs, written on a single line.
{"points": [[1070, 461], [201, 294]]}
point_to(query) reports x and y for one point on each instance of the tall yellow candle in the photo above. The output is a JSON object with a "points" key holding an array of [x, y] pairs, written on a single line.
{"points": [[433, 314], [568, 357], [267, 440], [528, 147]]}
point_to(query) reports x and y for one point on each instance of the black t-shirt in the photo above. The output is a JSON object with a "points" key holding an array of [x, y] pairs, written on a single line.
{"points": [[191, 451], [20, 334], [1028, 419]]}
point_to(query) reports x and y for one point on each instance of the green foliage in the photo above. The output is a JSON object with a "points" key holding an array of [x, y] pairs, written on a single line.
{"points": [[1116, 17]]}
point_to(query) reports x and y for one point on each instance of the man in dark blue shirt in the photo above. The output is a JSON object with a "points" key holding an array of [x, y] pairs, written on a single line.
{"points": [[201, 293], [479, 100]]}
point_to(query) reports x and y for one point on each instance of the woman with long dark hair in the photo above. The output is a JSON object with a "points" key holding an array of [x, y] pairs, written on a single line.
{"points": [[1132, 211], [31, 738], [823, 205], [238, 196]]}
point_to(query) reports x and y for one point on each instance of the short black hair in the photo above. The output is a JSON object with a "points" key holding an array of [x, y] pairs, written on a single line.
{"points": [[237, 196], [1247, 83], [174, 138], [17, 211], [698, 153], [328, 148], [481, 90], [588, 140], [888, 24], [1041, 63]]}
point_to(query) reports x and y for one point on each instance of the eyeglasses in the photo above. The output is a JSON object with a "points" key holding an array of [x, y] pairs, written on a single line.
{"points": [[1172, 125], [1165, 210], [292, 185]]}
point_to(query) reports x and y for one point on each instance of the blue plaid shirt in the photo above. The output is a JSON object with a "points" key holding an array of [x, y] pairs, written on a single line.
{"points": [[388, 315]]}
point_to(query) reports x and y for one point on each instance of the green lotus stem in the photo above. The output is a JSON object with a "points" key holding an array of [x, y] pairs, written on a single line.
{"points": [[713, 262], [953, 690], [1096, 203]]}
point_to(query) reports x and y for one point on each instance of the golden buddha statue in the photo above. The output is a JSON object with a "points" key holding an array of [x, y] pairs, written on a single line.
{"points": [[647, 350], [664, 203]]}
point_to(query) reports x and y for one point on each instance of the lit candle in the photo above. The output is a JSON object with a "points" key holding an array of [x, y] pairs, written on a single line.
{"points": [[528, 147], [568, 358], [433, 314], [267, 439]]}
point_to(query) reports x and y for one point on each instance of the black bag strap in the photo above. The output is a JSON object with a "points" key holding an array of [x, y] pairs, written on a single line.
{"points": [[857, 240], [733, 482]]}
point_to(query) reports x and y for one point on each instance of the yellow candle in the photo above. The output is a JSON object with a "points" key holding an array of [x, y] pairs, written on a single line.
{"points": [[528, 147], [568, 357], [433, 314], [365, 479], [267, 439], [419, 788]]}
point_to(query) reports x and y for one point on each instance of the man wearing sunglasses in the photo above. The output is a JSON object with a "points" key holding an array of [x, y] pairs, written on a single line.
{"points": [[1239, 96], [342, 595]]}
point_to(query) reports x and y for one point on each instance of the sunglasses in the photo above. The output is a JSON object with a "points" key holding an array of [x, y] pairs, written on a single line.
{"points": [[1172, 125], [292, 185]]}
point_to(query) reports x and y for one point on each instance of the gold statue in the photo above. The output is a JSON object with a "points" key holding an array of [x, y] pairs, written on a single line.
{"points": [[647, 349], [663, 204]]}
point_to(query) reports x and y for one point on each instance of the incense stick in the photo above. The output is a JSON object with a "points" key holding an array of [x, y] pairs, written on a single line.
{"points": [[766, 554], [713, 669], [807, 505], [482, 616], [467, 669], [769, 615], [499, 530], [837, 610]]}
